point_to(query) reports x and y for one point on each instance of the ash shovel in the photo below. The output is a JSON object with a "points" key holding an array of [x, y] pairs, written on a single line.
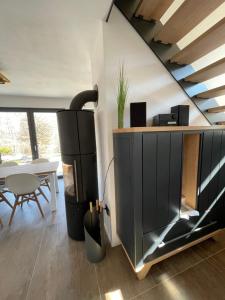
{"points": [[94, 237]]}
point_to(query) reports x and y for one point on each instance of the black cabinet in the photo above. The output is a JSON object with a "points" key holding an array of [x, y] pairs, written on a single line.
{"points": [[154, 172], [162, 157], [128, 171], [220, 207], [209, 170]]}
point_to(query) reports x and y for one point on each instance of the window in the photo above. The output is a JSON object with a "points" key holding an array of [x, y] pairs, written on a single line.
{"points": [[26, 134], [47, 136], [14, 137]]}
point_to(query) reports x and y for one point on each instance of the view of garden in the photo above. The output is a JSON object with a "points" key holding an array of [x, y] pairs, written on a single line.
{"points": [[15, 138]]}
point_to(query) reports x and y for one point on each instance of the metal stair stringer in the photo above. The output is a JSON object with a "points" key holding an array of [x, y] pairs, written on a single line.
{"points": [[147, 30]]}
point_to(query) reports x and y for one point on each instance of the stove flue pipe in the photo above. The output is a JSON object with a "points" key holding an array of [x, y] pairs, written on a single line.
{"points": [[84, 97]]}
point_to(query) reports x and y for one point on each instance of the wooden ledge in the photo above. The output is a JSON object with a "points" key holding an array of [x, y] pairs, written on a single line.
{"points": [[167, 128]]}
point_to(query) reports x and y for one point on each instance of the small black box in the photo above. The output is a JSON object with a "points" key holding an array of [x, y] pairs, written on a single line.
{"points": [[182, 113], [138, 114], [165, 120]]}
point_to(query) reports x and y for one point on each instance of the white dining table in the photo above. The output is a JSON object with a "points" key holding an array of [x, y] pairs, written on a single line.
{"points": [[37, 169]]}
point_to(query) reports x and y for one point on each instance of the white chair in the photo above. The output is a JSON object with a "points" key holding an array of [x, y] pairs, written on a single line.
{"points": [[44, 178], [3, 190], [24, 187], [3, 198]]}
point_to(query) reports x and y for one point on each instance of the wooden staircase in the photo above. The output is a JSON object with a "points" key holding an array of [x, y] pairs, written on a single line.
{"points": [[163, 24]]}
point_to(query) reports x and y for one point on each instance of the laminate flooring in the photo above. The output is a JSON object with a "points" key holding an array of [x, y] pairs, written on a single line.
{"points": [[39, 261]]}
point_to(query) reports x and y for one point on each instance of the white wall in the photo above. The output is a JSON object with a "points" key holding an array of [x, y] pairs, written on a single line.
{"points": [[148, 81], [101, 118], [33, 102]]}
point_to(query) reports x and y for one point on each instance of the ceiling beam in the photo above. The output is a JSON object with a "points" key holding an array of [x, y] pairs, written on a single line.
{"points": [[220, 91], [211, 71], [187, 16], [153, 9], [207, 42], [217, 109]]}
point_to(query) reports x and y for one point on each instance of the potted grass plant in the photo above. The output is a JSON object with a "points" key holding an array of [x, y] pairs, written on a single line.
{"points": [[121, 97]]}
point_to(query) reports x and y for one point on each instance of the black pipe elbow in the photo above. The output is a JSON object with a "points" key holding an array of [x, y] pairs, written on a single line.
{"points": [[84, 97]]}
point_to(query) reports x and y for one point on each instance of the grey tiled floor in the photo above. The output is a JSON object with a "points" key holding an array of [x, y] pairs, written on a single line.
{"points": [[39, 261]]}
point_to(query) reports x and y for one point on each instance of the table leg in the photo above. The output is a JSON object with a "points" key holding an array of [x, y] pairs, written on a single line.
{"points": [[53, 191], [56, 183]]}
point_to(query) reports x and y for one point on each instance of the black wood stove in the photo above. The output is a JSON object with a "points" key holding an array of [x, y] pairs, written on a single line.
{"points": [[78, 150]]}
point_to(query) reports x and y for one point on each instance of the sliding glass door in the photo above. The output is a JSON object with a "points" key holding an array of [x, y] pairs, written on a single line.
{"points": [[26, 134], [14, 137], [47, 136]]}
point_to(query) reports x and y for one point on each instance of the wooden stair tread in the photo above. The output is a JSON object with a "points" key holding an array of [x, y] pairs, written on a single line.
{"points": [[220, 91], [3, 79], [221, 123], [207, 42], [153, 9], [217, 109], [187, 16], [213, 70]]}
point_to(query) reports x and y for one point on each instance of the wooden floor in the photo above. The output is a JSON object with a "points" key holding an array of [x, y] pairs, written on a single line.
{"points": [[39, 261]]}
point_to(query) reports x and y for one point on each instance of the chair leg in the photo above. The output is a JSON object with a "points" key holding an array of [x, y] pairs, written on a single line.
{"points": [[38, 204], [14, 209], [21, 202], [47, 184], [43, 194], [5, 200]]}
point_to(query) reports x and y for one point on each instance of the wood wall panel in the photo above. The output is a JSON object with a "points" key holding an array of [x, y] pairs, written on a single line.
{"points": [[190, 168]]}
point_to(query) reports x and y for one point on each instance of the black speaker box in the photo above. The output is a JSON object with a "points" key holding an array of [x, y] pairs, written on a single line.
{"points": [[182, 113], [138, 114], [165, 120]]}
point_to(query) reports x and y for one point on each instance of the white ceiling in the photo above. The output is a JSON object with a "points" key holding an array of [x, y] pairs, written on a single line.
{"points": [[45, 45]]}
